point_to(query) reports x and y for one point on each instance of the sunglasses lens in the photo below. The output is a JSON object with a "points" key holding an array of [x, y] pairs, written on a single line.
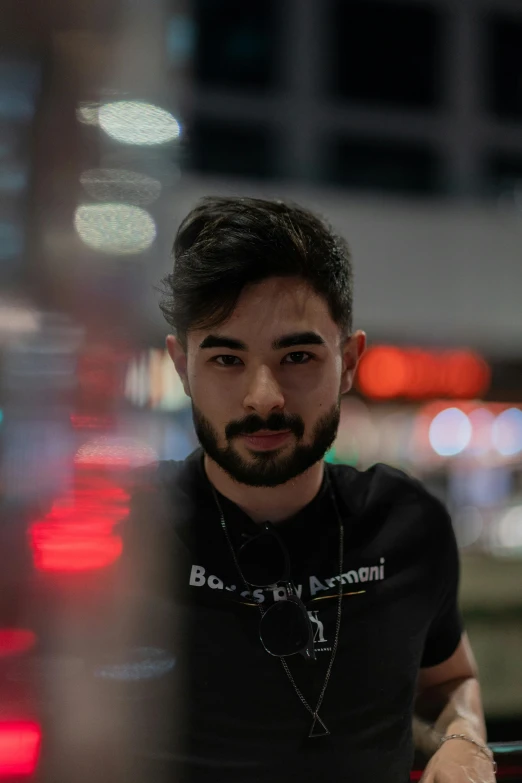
{"points": [[284, 629], [262, 561]]}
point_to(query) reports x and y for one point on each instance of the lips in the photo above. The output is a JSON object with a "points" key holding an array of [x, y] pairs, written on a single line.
{"points": [[266, 440]]}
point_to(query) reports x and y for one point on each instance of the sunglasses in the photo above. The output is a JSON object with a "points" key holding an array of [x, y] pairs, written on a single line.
{"points": [[285, 628]]}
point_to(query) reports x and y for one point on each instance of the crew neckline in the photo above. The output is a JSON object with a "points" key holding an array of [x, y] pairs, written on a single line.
{"points": [[236, 514]]}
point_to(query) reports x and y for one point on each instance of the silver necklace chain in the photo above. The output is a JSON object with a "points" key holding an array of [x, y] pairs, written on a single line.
{"points": [[313, 713]]}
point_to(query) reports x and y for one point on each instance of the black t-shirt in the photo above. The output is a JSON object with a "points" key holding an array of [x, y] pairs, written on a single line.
{"points": [[225, 710]]}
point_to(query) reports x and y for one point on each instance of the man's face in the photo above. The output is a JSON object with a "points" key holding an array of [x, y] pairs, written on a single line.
{"points": [[266, 384]]}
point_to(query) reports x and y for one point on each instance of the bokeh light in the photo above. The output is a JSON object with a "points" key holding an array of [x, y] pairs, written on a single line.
{"points": [[383, 373], [17, 319], [115, 228], [88, 113], [481, 422], [116, 451], [143, 663], [469, 524], [111, 185], [19, 748], [507, 432], [15, 641], [78, 533], [134, 122], [509, 531], [387, 372], [450, 432]]}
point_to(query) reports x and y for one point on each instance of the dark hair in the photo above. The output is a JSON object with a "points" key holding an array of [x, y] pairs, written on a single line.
{"points": [[226, 244]]}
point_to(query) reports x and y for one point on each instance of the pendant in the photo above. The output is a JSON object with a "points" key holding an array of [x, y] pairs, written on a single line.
{"points": [[318, 732]]}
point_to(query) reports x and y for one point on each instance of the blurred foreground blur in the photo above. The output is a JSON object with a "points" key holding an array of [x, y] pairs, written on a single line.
{"points": [[401, 122]]}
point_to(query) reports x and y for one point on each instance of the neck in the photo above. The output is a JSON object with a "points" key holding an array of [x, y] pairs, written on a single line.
{"points": [[268, 504]]}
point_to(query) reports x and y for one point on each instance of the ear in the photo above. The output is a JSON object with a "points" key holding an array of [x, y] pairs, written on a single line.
{"points": [[179, 358], [354, 348]]}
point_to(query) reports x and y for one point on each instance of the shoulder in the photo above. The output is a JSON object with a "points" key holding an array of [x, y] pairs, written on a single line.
{"points": [[386, 491], [362, 489]]}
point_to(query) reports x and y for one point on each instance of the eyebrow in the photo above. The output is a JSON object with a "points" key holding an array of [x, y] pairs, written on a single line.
{"points": [[219, 341], [287, 341], [298, 338]]}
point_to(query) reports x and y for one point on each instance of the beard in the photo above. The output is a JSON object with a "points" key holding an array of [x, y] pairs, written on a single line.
{"points": [[268, 468]]}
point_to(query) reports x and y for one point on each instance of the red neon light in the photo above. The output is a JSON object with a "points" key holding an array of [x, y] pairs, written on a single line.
{"points": [[15, 641], [59, 551], [78, 532], [19, 748], [387, 372]]}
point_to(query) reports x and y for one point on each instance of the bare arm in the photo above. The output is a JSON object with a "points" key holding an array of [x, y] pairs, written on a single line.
{"points": [[449, 701]]}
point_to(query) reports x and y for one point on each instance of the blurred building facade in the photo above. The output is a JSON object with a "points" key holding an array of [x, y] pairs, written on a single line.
{"points": [[418, 98]]}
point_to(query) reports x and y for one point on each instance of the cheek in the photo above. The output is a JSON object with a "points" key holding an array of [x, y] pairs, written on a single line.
{"points": [[315, 386], [199, 385], [214, 398], [210, 384]]}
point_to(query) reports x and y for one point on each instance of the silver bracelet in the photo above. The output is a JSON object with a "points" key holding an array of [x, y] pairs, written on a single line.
{"points": [[483, 748]]}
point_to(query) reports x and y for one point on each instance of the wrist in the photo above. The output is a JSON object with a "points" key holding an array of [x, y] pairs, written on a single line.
{"points": [[479, 746], [472, 729]]}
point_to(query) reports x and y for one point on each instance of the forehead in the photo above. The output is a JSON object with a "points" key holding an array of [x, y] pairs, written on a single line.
{"points": [[277, 306]]}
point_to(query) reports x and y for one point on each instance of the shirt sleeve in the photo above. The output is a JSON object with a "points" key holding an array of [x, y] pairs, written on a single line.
{"points": [[446, 627]]}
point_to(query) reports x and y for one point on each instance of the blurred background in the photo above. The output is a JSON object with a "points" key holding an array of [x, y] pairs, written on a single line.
{"points": [[399, 120]]}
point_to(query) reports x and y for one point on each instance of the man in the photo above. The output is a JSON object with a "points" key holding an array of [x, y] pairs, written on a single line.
{"points": [[317, 603]]}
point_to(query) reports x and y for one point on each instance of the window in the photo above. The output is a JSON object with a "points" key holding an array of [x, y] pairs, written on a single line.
{"points": [[235, 43], [239, 150], [504, 66], [384, 165], [386, 54], [503, 175]]}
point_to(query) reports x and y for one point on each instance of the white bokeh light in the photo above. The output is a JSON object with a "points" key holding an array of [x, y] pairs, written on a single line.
{"points": [[115, 228], [509, 532], [116, 450], [450, 432], [123, 185], [88, 113], [469, 525], [133, 122], [507, 432], [18, 319]]}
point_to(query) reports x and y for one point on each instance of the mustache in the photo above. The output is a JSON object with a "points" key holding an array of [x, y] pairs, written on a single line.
{"points": [[276, 422]]}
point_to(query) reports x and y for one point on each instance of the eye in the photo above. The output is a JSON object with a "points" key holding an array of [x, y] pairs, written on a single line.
{"points": [[298, 357], [226, 360]]}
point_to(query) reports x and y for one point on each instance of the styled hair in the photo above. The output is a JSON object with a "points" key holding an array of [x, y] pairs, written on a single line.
{"points": [[227, 244]]}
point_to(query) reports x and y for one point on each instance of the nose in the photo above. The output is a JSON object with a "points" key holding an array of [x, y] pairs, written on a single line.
{"points": [[263, 394]]}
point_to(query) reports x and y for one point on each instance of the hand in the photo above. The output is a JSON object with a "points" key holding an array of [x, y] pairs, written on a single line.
{"points": [[458, 761]]}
